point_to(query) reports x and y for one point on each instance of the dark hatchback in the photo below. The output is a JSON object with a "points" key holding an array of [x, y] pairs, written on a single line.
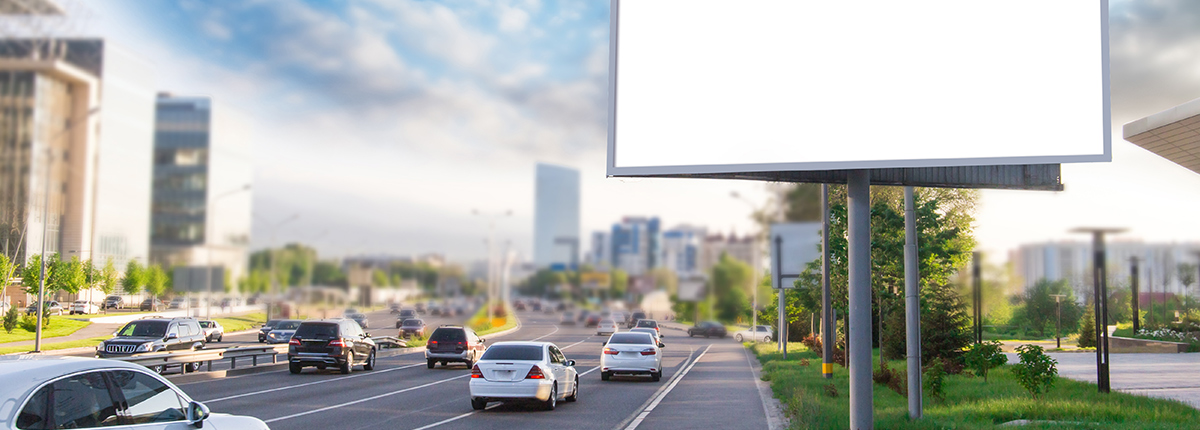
{"points": [[266, 328], [707, 329], [454, 344], [412, 327], [337, 343]]}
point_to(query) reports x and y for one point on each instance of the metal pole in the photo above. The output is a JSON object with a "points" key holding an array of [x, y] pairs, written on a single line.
{"points": [[977, 281], [827, 330], [1102, 273], [37, 335], [859, 355], [1133, 282], [781, 329], [912, 305]]}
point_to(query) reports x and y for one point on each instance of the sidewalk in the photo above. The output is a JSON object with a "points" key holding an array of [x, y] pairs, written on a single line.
{"points": [[92, 330]]}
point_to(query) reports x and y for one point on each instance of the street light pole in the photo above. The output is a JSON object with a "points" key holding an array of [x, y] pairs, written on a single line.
{"points": [[1133, 282], [1058, 321], [492, 269], [209, 241], [757, 267], [1100, 303]]}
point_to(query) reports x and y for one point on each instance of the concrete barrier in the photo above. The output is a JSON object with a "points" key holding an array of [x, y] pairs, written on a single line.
{"points": [[1130, 345]]}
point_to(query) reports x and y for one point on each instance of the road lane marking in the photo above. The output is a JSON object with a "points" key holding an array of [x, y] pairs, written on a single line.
{"points": [[675, 381], [323, 381], [376, 397], [546, 335], [452, 419]]}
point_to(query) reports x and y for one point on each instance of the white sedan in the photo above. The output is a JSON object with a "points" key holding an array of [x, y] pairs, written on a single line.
{"points": [[631, 353], [606, 326], [761, 333], [84, 307], [523, 371]]}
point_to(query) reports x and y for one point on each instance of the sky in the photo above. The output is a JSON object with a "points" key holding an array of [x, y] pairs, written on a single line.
{"points": [[385, 123]]}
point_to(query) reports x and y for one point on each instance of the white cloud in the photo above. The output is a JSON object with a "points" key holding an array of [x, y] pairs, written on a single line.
{"points": [[512, 19], [216, 30]]}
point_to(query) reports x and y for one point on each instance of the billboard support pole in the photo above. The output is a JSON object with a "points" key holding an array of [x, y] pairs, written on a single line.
{"points": [[781, 325], [858, 187], [827, 330], [912, 305]]}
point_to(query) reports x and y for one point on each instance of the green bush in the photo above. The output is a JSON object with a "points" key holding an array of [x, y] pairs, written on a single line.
{"points": [[11, 319], [1087, 328], [935, 377], [1037, 371], [982, 357]]}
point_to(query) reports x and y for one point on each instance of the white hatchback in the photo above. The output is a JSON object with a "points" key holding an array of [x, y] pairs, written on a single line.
{"points": [[523, 371], [606, 326], [631, 353], [84, 307]]}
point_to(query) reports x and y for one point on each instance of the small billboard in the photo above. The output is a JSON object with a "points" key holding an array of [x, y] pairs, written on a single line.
{"points": [[798, 244], [691, 289]]}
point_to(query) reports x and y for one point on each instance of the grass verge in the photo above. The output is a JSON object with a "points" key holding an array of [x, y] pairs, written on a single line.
{"points": [[242, 322], [970, 403], [59, 326], [482, 326], [56, 345]]}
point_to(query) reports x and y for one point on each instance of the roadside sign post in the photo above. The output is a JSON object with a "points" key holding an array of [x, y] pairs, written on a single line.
{"points": [[1133, 283], [828, 332], [1100, 301]]}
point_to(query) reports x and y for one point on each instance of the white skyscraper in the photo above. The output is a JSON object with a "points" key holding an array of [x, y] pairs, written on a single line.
{"points": [[556, 238]]}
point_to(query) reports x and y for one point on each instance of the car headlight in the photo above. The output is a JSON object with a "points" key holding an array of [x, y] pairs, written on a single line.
{"points": [[145, 347]]}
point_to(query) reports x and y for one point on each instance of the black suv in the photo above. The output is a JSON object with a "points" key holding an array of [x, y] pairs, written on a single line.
{"points": [[454, 343], [405, 314], [338, 343], [633, 319], [154, 335]]}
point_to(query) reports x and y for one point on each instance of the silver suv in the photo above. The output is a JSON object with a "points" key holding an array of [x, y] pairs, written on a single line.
{"points": [[71, 392]]}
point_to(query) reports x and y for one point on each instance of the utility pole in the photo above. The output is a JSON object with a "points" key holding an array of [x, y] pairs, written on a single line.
{"points": [[828, 343], [858, 193], [912, 305], [977, 286], [1133, 282], [1058, 321], [1100, 303]]}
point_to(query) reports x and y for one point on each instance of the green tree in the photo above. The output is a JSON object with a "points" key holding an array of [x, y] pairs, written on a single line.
{"points": [[379, 278], [985, 356], [328, 273], [1038, 311], [11, 318], [109, 278], [730, 281], [7, 269], [945, 323], [1187, 275], [69, 275], [155, 280], [1087, 328], [31, 274], [134, 279], [619, 281]]}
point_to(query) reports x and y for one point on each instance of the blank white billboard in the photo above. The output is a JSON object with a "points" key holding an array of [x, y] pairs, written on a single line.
{"points": [[715, 86], [799, 244]]}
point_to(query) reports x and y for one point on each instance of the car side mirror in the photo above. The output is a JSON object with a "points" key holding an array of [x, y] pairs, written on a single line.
{"points": [[570, 363], [661, 345], [604, 343], [482, 340], [196, 414], [172, 336]]}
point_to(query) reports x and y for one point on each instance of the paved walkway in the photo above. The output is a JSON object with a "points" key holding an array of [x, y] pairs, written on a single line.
{"points": [[1168, 376], [92, 330]]}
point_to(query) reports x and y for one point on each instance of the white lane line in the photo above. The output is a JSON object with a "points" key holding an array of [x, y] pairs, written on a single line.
{"points": [[642, 416], [324, 381], [546, 335], [590, 371], [452, 419], [376, 397]]}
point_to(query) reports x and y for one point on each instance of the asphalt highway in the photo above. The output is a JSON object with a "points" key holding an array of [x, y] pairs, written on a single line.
{"points": [[707, 383]]}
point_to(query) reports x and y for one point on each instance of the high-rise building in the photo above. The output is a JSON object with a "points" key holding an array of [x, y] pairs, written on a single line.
{"points": [[635, 244], [600, 251], [76, 130], [202, 174], [556, 238], [681, 249], [744, 249], [1159, 266]]}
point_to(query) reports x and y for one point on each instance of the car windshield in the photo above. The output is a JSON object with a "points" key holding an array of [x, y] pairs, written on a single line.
{"points": [[206, 324], [645, 323], [608, 322], [648, 331], [112, 298], [144, 329], [513, 352], [631, 338], [317, 331], [761, 328], [413, 323], [271, 323], [288, 325]]}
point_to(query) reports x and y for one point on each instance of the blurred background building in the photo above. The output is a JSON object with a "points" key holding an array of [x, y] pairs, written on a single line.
{"points": [[682, 248], [202, 177], [556, 240], [636, 244], [1163, 266]]}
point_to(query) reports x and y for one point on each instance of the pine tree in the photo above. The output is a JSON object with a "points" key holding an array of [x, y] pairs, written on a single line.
{"points": [[945, 324], [1087, 328]]}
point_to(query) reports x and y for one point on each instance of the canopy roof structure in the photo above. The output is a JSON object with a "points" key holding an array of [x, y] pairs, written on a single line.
{"points": [[1173, 134]]}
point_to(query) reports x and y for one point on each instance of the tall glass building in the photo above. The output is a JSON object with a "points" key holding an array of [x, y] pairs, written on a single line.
{"points": [[556, 238], [202, 174]]}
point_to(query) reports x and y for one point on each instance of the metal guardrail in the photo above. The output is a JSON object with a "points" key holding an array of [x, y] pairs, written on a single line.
{"points": [[168, 360]]}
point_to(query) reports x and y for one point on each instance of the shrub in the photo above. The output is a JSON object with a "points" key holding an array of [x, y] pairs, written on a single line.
{"points": [[891, 378], [813, 343], [945, 324], [1037, 371], [11, 319], [935, 376], [831, 390], [982, 357], [1087, 328]]}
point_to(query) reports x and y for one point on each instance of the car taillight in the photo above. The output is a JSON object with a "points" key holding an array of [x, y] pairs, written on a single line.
{"points": [[535, 373], [338, 343], [475, 373], [294, 342], [611, 351], [432, 343], [649, 351]]}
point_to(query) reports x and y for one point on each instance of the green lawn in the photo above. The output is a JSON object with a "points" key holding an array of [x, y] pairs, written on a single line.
{"points": [[970, 402], [56, 345], [242, 322], [482, 326], [59, 326]]}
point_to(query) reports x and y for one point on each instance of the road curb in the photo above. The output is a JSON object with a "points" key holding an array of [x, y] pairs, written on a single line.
{"points": [[772, 407]]}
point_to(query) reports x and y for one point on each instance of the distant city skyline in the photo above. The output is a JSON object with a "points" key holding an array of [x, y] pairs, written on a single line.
{"points": [[396, 118]]}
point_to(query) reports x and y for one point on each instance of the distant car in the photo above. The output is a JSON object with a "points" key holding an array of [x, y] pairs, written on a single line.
{"points": [[154, 335], [52, 308], [537, 306], [339, 343], [634, 317], [152, 305], [229, 302], [592, 320], [523, 372], [282, 333], [459, 311], [652, 332], [84, 307], [403, 315], [394, 308], [412, 327], [359, 318], [72, 392], [519, 305], [454, 344], [177, 303], [647, 324], [349, 311], [761, 333], [435, 310], [114, 302], [619, 318], [420, 308], [266, 328], [631, 353], [707, 329], [213, 331], [607, 326], [582, 316], [568, 318]]}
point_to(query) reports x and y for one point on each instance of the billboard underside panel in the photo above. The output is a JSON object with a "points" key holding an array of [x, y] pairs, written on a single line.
{"points": [[717, 88]]}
